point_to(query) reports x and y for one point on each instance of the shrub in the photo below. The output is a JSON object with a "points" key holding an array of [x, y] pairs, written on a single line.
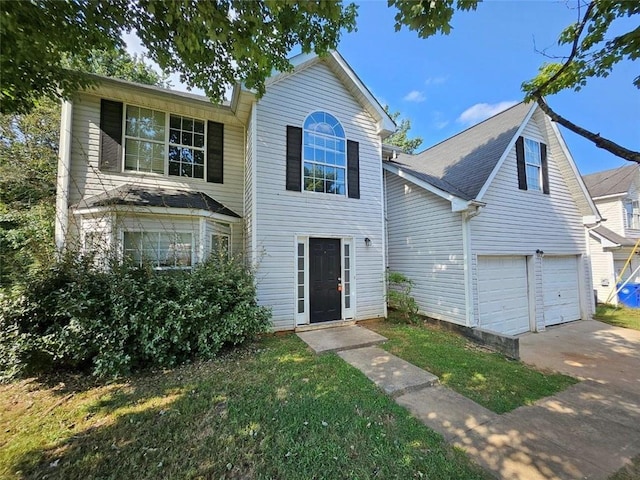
{"points": [[112, 322], [399, 297]]}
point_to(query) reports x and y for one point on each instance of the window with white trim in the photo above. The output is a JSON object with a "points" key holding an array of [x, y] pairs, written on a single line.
{"points": [[163, 250], [632, 208], [347, 275], [300, 279], [152, 148], [324, 154], [186, 147], [221, 239], [144, 140], [533, 164]]}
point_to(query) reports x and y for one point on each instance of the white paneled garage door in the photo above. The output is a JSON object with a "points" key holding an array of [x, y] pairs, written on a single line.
{"points": [[560, 289], [503, 294]]}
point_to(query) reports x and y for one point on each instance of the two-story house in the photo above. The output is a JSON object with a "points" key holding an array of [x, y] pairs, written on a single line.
{"points": [[291, 181], [489, 224], [616, 193]]}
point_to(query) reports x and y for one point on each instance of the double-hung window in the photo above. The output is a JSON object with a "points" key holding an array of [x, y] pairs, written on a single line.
{"points": [[324, 154], [144, 145], [533, 164], [221, 240], [632, 208], [151, 147], [162, 250]]}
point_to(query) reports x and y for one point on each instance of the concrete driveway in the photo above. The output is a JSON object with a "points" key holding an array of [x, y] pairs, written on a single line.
{"points": [[589, 430]]}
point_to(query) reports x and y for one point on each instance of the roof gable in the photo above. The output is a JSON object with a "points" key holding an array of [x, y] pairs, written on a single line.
{"points": [[616, 181], [464, 163], [355, 86]]}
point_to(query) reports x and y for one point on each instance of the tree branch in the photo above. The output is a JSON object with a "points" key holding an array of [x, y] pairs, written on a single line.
{"points": [[575, 47], [599, 141]]}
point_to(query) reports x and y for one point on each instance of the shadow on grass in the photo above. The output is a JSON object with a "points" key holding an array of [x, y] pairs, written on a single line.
{"points": [[279, 412]]}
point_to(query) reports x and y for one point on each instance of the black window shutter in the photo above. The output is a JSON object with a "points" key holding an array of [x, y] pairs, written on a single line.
{"points": [[110, 136], [353, 169], [215, 152], [294, 158], [545, 168], [522, 171]]}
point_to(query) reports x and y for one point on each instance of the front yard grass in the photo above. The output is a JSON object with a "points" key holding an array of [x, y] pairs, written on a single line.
{"points": [[618, 316], [273, 410], [488, 378]]}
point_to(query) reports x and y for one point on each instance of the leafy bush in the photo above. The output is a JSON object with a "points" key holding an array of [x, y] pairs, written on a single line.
{"points": [[399, 297], [111, 322]]}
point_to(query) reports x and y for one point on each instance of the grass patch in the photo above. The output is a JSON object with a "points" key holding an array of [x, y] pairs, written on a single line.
{"points": [[618, 316], [630, 471], [488, 378], [273, 410]]}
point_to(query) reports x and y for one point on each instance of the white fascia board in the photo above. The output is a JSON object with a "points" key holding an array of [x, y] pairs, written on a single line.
{"points": [[457, 204], [505, 154], [572, 163], [611, 197], [591, 219], [139, 210], [386, 125]]}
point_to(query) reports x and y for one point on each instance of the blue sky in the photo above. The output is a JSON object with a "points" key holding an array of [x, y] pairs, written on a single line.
{"points": [[446, 83]]}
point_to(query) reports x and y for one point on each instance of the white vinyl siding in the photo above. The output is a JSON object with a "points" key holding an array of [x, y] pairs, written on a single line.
{"points": [[249, 197], [283, 215], [88, 180], [614, 213], [602, 271], [516, 222], [425, 244], [503, 294]]}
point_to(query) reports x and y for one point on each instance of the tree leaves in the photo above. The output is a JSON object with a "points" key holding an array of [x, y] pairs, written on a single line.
{"points": [[400, 137], [211, 44]]}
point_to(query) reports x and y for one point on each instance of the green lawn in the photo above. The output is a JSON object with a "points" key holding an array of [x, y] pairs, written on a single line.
{"points": [[273, 410], [620, 317], [488, 378]]}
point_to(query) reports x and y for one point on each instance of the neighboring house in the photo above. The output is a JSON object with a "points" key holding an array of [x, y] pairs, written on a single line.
{"points": [[292, 181], [616, 193], [489, 225]]}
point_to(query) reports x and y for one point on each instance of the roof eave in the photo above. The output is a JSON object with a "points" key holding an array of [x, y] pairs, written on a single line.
{"points": [[458, 204]]}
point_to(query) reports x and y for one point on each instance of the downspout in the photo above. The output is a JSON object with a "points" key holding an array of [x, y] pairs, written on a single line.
{"points": [[63, 177], [588, 265], [474, 208]]}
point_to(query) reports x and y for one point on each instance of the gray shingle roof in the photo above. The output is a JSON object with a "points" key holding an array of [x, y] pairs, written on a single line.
{"points": [[461, 165], [611, 182], [614, 237], [137, 196]]}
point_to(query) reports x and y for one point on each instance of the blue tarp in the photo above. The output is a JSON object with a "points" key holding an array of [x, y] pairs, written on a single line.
{"points": [[629, 296]]}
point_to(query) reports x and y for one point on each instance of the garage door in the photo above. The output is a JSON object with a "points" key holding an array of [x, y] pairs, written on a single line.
{"points": [[560, 289], [503, 294]]}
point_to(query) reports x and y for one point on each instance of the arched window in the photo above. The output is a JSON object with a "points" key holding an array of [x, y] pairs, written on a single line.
{"points": [[324, 154]]}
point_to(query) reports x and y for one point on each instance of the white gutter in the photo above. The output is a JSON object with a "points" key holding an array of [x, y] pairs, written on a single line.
{"points": [[63, 176]]}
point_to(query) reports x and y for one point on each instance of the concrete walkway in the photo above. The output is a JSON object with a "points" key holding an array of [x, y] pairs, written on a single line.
{"points": [[588, 431]]}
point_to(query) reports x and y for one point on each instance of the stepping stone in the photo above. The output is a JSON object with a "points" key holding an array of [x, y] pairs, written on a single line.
{"points": [[392, 374], [340, 338]]}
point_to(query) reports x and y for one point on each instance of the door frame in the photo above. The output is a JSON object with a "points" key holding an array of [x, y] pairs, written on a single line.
{"points": [[303, 317]]}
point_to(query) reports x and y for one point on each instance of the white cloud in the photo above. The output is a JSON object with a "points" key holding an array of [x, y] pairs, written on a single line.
{"points": [[414, 96], [439, 121], [481, 111], [435, 80]]}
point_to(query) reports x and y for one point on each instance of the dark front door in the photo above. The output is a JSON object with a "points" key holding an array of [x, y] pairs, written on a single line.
{"points": [[324, 278]]}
